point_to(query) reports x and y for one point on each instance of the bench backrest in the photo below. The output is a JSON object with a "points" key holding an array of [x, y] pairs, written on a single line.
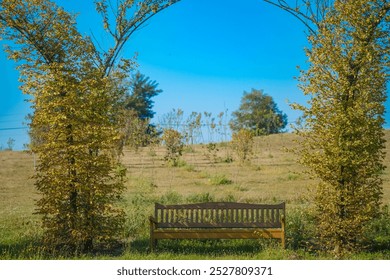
{"points": [[219, 214]]}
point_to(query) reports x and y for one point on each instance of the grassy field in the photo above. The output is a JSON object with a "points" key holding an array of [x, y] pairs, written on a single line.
{"points": [[272, 175]]}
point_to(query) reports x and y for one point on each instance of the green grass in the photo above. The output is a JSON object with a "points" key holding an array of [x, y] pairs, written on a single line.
{"points": [[266, 179]]}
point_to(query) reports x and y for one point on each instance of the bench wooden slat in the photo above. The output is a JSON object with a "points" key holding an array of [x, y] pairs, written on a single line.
{"points": [[218, 225]]}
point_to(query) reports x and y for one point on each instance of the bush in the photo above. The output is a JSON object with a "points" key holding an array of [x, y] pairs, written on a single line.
{"points": [[174, 146], [242, 144], [211, 152], [377, 232], [300, 229]]}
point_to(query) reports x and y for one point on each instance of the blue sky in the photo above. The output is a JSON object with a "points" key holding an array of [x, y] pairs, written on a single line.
{"points": [[203, 54]]}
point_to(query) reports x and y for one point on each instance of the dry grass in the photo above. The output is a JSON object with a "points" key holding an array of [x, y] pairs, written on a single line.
{"points": [[272, 175]]}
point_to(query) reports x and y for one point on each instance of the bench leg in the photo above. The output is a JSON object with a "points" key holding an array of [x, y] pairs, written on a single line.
{"points": [[152, 241], [152, 244], [283, 232]]}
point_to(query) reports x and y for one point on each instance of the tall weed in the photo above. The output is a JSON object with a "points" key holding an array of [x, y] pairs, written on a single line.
{"points": [[377, 232], [300, 229]]}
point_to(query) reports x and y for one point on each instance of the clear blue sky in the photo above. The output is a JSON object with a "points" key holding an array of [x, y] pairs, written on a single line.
{"points": [[203, 54]]}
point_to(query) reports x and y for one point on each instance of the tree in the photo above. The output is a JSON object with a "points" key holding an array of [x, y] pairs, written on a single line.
{"points": [[259, 113], [10, 144], [138, 105], [137, 132], [75, 93], [73, 104], [342, 137], [140, 99]]}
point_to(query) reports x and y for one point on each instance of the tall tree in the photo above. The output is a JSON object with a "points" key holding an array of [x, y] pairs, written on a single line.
{"points": [[140, 98], [138, 103], [342, 138], [259, 113], [75, 93]]}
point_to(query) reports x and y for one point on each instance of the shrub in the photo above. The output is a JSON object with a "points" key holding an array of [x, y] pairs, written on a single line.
{"points": [[377, 232], [300, 229], [242, 144], [174, 146], [211, 152]]}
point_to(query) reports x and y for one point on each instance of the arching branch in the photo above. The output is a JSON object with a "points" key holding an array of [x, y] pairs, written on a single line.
{"points": [[309, 12], [126, 26]]}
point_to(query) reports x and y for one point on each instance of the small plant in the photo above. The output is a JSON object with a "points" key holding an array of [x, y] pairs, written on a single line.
{"points": [[242, 144], [171, 197], [227, 159], [200, 197], [229, 198], [219, 179], [241, 188], [174, 146], [189, 168], [292, 176], [211, 152], [10, 144]]}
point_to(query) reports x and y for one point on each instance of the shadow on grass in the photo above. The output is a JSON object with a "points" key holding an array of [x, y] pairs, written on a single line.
{"points": [[204, 249], [26, 249], [138, 249], [34, 249]]}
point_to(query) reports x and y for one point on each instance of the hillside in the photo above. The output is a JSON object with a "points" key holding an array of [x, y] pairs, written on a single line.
{"points": [[271, 176]]}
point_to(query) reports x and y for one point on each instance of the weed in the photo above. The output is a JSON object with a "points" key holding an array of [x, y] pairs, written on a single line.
{"points": [[241, 188], [190, 168], [145, 184], [293, 176], [229, 198], [200, 197], [178, 163], [171, 197], [377, 232], [219, 179], [300, 229]]}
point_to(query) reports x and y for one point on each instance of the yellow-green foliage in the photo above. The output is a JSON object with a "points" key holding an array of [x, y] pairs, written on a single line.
{"points": [[75, 92], [242, 144], [136, 131], [74, 132], [343, 136]]}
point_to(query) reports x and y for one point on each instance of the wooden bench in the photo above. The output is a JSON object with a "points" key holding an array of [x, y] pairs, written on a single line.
{"points": [[217, 220]]}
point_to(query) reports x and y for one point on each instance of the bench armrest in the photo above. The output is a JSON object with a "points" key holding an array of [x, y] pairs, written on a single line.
{"points": [[152, 220]]}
